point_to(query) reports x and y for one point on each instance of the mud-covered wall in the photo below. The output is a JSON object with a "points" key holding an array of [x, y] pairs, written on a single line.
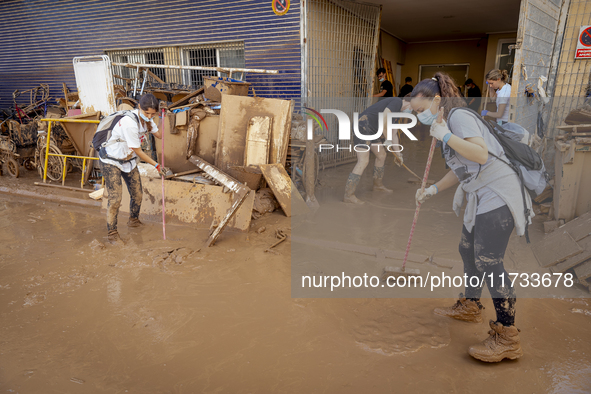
{"points": [[40, 38]]}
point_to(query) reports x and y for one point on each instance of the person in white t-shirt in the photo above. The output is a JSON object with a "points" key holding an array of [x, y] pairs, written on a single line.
{"points": [[118, 160], [497, 80]]}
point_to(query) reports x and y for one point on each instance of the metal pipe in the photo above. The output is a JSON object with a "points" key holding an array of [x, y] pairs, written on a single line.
{"points": [[220, 69], [83, 172], [65, 170], [47, 154], [144, 82], [137, 73], [162, 160], [47, 141], [64, 187], [50, 120]]}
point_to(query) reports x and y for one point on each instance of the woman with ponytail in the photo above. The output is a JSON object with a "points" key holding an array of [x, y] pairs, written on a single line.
{"points": [[495, 207], [497, 80]]}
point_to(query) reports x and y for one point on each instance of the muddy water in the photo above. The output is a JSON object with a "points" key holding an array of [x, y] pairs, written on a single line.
{"points": [[81, 316]]}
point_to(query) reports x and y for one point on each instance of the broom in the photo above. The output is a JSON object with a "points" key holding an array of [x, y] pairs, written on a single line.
{"points": [[395, 271], [163, 204]]}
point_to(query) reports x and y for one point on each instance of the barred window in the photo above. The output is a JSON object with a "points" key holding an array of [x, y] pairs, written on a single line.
{"points": [[224, 54]]}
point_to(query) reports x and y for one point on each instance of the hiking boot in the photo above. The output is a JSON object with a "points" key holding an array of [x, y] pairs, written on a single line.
{"points": [[134, 222], [378, 176], [463, 309], [502, 343], [350, 188], [114, 238]]}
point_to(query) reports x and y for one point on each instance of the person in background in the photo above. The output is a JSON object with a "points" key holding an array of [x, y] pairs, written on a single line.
{"points": [[474, 95], [406, 88], [386, 87], [369, 125], [497, 80], [118, 160], [495, 207]]}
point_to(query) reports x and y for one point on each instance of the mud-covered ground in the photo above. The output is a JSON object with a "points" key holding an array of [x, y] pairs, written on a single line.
{"points": [[78, 315]]}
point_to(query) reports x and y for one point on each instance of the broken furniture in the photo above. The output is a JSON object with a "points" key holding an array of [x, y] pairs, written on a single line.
{"points": [[239, 194], [94, 81], [18, 147], [283, 188], [175, 144], [235, 118], [203, 205], [38, 97], [70, 98], [53, 159], [81, 134], [216, 86]]}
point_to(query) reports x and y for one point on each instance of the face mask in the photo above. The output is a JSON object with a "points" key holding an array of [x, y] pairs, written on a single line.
{"points": [[427, 117], [144, 117], [381, 79], [407, 111]]}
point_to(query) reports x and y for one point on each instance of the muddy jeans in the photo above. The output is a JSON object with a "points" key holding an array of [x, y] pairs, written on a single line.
{"points": [[483, 251], [113, 184]]}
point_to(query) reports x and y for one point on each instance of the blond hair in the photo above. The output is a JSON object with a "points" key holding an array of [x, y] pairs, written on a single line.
{"points": [[497, 74]]}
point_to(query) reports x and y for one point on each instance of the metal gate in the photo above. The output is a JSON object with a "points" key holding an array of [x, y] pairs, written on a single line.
{"points": [[340, 40], [536, 35], [573, 77]]}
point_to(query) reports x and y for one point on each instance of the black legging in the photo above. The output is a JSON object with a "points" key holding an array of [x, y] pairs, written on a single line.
{"points": [[483, 251]]}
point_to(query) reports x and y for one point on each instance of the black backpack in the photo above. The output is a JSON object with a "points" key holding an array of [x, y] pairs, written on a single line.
{"points": [[515, 151], [523, 159], [106, 126]]}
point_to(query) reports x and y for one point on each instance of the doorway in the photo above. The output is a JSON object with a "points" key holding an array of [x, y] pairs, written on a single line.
{"points": [[459, 72], [505, 56]]}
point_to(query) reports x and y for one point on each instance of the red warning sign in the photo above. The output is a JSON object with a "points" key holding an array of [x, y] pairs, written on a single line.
{"points": [[583, 50], [280, 7]]}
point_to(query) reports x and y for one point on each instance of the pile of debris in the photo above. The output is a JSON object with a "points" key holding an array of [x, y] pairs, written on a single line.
{"points": [[575, 134], [568, 249], [228, 153]]}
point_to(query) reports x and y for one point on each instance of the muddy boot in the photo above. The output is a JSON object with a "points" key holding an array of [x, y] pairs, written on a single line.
{"points": [[464, 309], [502, 343], [114, 238], [134, 222], [350, 188], [378, 175]]}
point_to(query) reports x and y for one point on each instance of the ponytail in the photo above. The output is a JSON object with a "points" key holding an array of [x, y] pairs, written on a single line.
{"points": [[443, 85], [497, 74]]}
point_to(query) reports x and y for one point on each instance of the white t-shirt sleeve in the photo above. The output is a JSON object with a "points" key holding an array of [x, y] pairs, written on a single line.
{"points": [[154, 128], [130, 133], [504, 94]]}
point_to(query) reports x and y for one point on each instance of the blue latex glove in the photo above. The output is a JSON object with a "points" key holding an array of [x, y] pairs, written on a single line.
{"points": [[484, 112]]}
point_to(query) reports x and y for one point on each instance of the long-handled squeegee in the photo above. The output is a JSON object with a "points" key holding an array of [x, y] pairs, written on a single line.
{"points": [[395, 271], [162, 160]]}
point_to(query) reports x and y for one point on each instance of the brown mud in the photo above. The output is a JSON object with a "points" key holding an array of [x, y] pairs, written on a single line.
{"points": [[78, 315]]}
